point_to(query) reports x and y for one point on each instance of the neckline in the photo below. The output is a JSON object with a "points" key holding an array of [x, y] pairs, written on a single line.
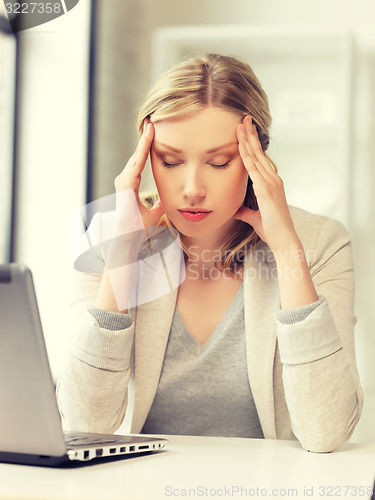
{"points": [[184, 333]]}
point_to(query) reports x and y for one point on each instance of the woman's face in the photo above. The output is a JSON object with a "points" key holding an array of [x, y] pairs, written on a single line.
{"points": [[198, 171]]}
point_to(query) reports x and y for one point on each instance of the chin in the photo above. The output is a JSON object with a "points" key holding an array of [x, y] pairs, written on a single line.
{"points": [[190, 230]]}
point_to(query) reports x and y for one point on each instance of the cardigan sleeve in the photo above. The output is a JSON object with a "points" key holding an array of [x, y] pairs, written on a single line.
{"points": [[320, 377], [92, 389]]}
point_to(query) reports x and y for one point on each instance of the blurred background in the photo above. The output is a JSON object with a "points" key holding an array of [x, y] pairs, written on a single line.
{"points": [[69, 93]]}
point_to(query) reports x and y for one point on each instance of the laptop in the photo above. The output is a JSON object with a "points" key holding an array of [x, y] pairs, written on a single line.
{"points": [[30, 424]]}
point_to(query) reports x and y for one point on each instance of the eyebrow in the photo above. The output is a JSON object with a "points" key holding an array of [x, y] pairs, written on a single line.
{"points": [[212, 150]]}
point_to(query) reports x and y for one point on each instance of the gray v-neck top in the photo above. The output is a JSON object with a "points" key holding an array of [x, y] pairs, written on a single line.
{"points": [[204, 389]]}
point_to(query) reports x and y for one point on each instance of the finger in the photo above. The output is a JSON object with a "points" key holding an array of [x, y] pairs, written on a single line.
{"points": [[248, 160], [258, 162], [144, 144], [262, 158], [145, 122], [263, 183], [130, 176], [249, 135], [255, 150], [254, 141], [241, 133], [138, 161]]}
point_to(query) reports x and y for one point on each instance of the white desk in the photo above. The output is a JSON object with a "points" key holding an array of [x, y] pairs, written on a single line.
{"points": [[208, 467]]}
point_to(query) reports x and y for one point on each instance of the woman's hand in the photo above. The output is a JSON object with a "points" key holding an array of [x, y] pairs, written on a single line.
{"points": [[130, 179], [272, 222], [131, 221]]}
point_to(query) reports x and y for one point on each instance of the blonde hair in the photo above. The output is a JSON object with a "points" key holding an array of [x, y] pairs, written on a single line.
{"points": [[223, 82]]}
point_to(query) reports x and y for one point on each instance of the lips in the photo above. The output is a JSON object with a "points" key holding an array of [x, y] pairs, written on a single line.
{"points": [[194, 214]]}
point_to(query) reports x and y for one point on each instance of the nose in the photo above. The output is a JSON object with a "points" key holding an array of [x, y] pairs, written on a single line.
{"points": [[194, 187]]}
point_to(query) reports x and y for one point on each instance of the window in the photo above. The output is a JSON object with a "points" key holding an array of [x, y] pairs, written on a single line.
{"points": [[8, 41]]}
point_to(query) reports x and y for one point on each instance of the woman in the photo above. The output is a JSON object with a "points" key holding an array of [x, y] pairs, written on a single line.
{"points": [[257, 339]]}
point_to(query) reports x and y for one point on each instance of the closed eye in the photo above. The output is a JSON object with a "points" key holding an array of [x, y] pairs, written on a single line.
{"points": [[214, 165], [170, 165], [223, 165]]}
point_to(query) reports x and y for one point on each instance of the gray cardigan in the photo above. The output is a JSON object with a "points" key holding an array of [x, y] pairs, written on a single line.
{"points": [[302, 374]]}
